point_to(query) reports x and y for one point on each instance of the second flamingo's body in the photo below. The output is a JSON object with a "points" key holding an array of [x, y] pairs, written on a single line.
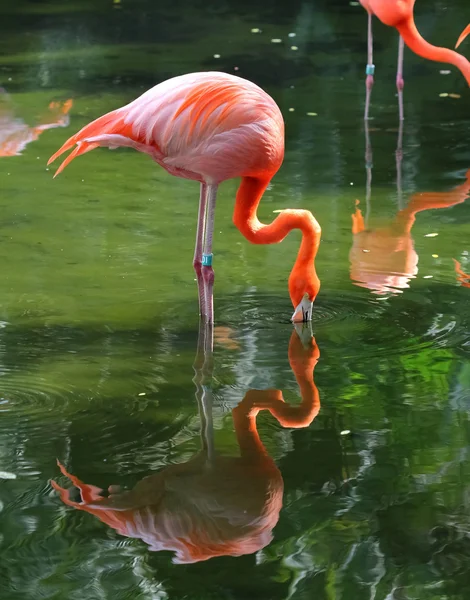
{"points": [[211, 127]]}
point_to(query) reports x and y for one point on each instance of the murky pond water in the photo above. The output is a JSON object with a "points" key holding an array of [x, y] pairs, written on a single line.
{"points": [[357, 485]]}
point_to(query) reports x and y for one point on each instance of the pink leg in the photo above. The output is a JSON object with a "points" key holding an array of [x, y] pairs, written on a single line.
{"points": [[398, 161], [197, 261], [370, 68], [207, 270], [400, 82]]}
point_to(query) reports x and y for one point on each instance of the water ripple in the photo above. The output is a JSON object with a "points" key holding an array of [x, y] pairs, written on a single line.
{"points": [[385, 325]]}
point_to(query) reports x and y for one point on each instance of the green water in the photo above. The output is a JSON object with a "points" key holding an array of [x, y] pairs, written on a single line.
{"points": [[99, 326]]}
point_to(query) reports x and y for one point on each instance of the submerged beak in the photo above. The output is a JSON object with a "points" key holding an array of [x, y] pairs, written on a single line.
{"points": [[303, 311], [305, 333]]}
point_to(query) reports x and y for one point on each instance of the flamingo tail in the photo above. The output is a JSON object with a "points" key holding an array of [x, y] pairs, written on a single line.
{"points": [[109, 130], [463, 35]]}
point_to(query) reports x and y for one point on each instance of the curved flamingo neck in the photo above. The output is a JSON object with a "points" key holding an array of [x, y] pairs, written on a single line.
{"points": [[420, 46], [303, 277]]}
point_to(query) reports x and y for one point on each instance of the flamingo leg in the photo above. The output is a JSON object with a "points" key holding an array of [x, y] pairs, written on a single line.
{"points": [[370, 68], [207, 270], [400, 81], [197, 261]]}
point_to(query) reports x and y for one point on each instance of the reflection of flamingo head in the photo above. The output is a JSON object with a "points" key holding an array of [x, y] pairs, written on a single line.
{"points": [[383, 261]]}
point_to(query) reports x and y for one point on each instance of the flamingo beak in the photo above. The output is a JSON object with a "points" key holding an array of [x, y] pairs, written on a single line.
{"points": [[303, 311]]}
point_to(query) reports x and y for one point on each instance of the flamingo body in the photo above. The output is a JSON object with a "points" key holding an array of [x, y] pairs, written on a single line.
{"points": [[211, 127], [204, 126]]}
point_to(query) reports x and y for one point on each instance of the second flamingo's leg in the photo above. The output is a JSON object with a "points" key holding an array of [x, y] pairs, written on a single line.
{"points": [[197, 261], [207, 270], [370, 67], [400, 81]]}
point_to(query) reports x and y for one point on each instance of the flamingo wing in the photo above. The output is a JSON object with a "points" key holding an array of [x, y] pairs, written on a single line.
{"points": [[208, 126]]}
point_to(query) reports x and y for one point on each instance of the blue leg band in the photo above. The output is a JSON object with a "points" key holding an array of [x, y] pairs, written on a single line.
{"points": [[370, 69], [207, 260]]}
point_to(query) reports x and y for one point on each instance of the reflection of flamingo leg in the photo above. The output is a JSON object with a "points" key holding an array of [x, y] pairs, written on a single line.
{"points": [[400, 82], [398, 163], [203, 367], [369, 165]]}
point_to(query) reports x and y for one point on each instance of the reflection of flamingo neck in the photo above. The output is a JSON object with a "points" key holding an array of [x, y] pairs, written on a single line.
{"points": [[431, 200], [302, 361]]}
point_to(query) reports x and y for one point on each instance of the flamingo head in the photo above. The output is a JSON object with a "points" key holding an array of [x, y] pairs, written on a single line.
{"points": [[303, 293]]}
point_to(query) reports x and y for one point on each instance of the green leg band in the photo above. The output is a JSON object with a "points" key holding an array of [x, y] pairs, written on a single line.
{"points": [[207, 260]]}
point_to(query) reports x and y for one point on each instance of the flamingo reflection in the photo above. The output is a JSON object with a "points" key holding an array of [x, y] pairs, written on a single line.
{"points": [[462, 277], [15, 134], [212, 505], [384, 259]]}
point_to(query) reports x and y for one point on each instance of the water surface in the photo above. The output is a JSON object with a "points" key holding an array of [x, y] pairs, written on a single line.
{"points": [[99, 329]]}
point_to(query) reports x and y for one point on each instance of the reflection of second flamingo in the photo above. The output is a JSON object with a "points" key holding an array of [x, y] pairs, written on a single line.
{"points": [[15, 134], [384, 259], [212, 505]]}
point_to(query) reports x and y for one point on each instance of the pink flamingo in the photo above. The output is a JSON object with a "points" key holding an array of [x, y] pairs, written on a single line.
{"points": [[15, 134], [211, 505], [211, 127], [399, 14]]}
